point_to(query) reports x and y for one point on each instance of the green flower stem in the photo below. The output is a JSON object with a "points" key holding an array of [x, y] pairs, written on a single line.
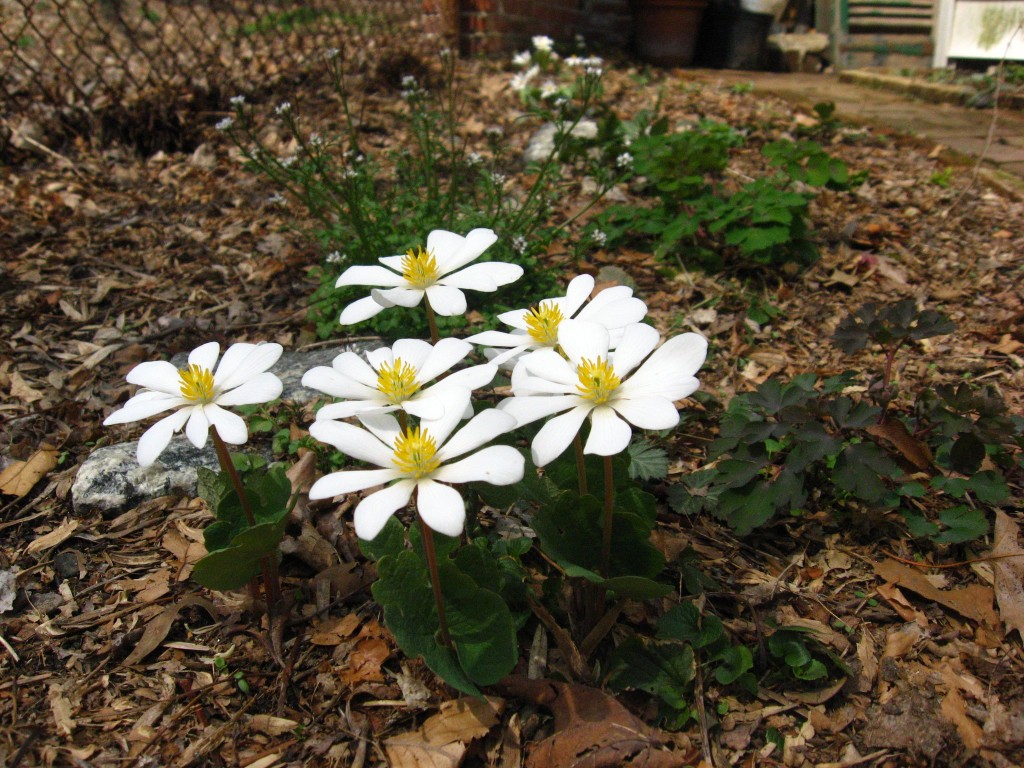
{"points": [[431, 321], [435, 581], [271, 577], [581, 465]]}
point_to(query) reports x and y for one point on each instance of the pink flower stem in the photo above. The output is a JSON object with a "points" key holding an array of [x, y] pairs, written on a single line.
{"points": [[435, 582]]}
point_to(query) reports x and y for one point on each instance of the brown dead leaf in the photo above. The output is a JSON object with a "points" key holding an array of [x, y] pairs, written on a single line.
{"points": [[332, 632], [61, 533], [1008, 568], [443, 738], [592, 729], [973, 601], [955, 711], [913, 450], [20, 477], [158, 627], [271, 725]]}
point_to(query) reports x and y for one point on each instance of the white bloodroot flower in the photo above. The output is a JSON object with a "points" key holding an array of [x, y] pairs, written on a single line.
{"points": [[395, 378], [614, 308], [609, 387], [420, 460], [197, 393], [438, 272]]}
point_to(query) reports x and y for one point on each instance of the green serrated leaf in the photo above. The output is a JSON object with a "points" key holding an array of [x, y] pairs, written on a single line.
{"points": [[663, 668], [390, 541], [962, 524], [647, 461]]}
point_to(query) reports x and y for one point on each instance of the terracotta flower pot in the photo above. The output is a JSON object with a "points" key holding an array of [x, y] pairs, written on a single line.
{"points": [[665, 31]]}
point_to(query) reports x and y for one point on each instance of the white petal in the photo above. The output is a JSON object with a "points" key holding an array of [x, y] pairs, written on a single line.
{"points": [[488, 276], [578, 291], [373, 512], [474, 377], [362, 309], [581, 340], [350, 481], [441, 507], [425, 407], [637, 342], [198, 427], [555, 436], [336, 384], [353, 441], [145, 404], [516, 318], [159, 375], [482, 428], [397, 297], [383, 426], [369, 275], [528, 409], [446, 300], [604, 298], [497, 339], [417, 352], [669, 372], [156, 438], [527, 386], [615, 314], [356, 368], [548, 364], [262, 388], [609, 434], [394, 262], [496, 464], [454, 252], [252, 360], [230, 426], [647, 412], [441, 358], [349, 408], [454, 400], [205, 356]]}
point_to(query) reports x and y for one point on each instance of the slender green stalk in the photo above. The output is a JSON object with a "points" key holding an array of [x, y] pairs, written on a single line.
{"points": [[271, 578], [581, 464], [435, 582]]}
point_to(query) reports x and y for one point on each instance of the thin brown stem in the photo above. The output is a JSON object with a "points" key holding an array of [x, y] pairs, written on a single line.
{"points": [[271, 578], [609, 504], [581, 464], [435, 582], [435, 336]]}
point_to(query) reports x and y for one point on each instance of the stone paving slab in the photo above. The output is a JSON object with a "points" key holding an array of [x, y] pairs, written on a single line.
{"points": [[963, 130]]}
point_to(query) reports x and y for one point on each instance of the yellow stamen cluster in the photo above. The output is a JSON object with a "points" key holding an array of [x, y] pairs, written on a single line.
{"points": [[419, 268], [542, 323], [414, 453], [196, 383], [597, 380], [397, 381]]}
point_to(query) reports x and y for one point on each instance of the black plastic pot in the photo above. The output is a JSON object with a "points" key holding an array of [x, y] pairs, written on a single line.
{"points": [[732, 38]]}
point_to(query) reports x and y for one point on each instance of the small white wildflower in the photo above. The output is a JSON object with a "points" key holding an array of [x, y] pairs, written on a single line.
{"points": [[474, 158], [349, 173], [593, 70], [599, 237], [225, 124], [522, 80], [332, 53], [543, 43], [522, 59], [625, 160], [287, 162], [574, 61], [519, 244], [276, 199], [316, 141], [493, 132], [283, 108], [237, 101], [334, 257], [548, 89], [409, 82], [499, 178]]}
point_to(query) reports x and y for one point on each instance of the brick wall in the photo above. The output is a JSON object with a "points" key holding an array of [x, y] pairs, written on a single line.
{"points": [[502, 26]]}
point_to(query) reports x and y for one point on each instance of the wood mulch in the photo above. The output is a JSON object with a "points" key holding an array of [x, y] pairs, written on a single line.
{"points": [[108, 649]]}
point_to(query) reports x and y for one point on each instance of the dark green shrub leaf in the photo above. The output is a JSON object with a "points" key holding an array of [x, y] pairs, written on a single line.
{"points": [[663, 668], [962, 524]]}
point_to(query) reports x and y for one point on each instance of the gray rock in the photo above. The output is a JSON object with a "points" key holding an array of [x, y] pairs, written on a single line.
{"points": [[111, 481], [542, 143]]}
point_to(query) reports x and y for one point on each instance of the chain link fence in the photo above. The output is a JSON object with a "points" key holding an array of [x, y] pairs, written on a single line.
{"points": [[87, 57]]}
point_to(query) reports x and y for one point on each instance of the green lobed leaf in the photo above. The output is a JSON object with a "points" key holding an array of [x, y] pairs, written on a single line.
{"points": [[962, 524], [663, 668], [647, 461], [233, 566]]}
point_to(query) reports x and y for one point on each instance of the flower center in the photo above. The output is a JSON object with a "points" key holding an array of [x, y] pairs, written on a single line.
{"points": [[597, 380], [397, 381], [414, 453], [196, 383], [542, 323], [419, 268]]}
